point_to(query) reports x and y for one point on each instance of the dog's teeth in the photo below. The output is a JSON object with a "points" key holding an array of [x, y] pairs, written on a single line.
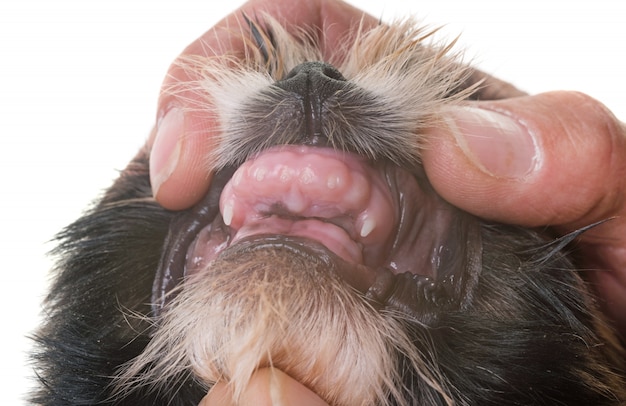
{"points": [[286, 174], [306, 176], [259, 173], [332, 181], [369, 224], [228, 211], [237, 178], [296, 204]]}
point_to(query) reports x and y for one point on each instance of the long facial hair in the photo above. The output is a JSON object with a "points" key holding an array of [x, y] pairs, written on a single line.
{"points": [[277, 307]]}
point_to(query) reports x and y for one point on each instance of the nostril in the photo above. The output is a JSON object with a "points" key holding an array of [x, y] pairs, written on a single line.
{"points": [[313, 78], [332, 73], [314, 68]]}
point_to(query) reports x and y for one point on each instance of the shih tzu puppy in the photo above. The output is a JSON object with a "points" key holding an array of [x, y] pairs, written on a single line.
{"points": [[321, 250]]}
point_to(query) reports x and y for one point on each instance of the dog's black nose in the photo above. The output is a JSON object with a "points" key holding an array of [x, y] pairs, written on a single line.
{"points": [[314, 77], [314, 83]]}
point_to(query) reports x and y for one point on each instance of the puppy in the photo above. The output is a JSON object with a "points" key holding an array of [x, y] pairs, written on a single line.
{"points": [[322, 250]]}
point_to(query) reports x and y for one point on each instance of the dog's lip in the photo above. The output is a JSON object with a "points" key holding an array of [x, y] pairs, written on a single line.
{"points": [[358, 276], [333, 237]]}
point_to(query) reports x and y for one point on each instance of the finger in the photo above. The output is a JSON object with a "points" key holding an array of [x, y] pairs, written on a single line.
{"points": [[182, 141], [553, 159], [267, 387]]}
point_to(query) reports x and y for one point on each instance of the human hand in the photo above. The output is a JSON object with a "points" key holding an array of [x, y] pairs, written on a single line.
{"points": [[267, 387], [556, 159]]}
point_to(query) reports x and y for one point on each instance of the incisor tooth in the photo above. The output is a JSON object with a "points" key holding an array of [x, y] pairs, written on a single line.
{"points": [[332, 181], [259, 173], [368, 226], [307, 176], [286, 174]]}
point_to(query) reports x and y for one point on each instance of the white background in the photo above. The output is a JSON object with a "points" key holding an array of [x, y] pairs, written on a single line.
{"points": [[79, 82]]}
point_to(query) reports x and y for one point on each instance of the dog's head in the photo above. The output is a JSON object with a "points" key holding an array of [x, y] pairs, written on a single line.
{"points": [[321, 250]]}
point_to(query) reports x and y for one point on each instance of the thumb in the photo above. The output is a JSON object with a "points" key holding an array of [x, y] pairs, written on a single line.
{"points": [[552, 159], [556, 159]]}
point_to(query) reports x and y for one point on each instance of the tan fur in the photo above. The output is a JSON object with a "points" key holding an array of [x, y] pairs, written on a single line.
{"points": [[272, 308]]}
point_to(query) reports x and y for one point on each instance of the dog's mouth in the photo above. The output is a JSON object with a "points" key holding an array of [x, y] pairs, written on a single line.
{"points": [[312, 177], [314, 193], [392, 238]]}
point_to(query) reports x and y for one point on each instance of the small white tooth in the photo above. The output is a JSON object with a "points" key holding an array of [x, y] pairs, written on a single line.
{"points": [[368, 226], [307, 176], [332, 182], [286, 174], [228, 211], [259, 173], [237, 178], [296, 204]]}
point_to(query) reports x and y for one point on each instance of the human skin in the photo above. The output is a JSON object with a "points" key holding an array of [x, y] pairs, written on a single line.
{"points": [[268, 387], [554, 160]]}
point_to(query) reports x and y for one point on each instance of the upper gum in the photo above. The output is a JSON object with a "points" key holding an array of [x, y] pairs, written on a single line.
{"points": [[341, 184], [310, 182]]}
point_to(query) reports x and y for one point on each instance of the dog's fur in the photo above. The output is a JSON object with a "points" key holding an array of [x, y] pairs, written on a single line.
{"points": [[521, 328]]}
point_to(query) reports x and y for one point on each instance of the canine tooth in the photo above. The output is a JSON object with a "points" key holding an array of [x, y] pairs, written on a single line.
{"points": [[228, 211], [368, 226]]}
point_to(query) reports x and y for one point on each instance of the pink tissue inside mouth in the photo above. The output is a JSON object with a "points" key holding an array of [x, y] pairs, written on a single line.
{"points": [[331, 197]]}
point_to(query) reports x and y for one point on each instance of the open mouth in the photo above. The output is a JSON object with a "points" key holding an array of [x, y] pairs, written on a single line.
{"points": [[385, 228], [313, 193], [308, 170]]}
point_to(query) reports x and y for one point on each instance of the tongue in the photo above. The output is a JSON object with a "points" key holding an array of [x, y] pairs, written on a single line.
{"points": [[331, 197]]}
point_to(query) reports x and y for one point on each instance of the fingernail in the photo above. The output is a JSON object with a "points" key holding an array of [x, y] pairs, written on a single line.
{"points": [[496, 143], [166, 147]]}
